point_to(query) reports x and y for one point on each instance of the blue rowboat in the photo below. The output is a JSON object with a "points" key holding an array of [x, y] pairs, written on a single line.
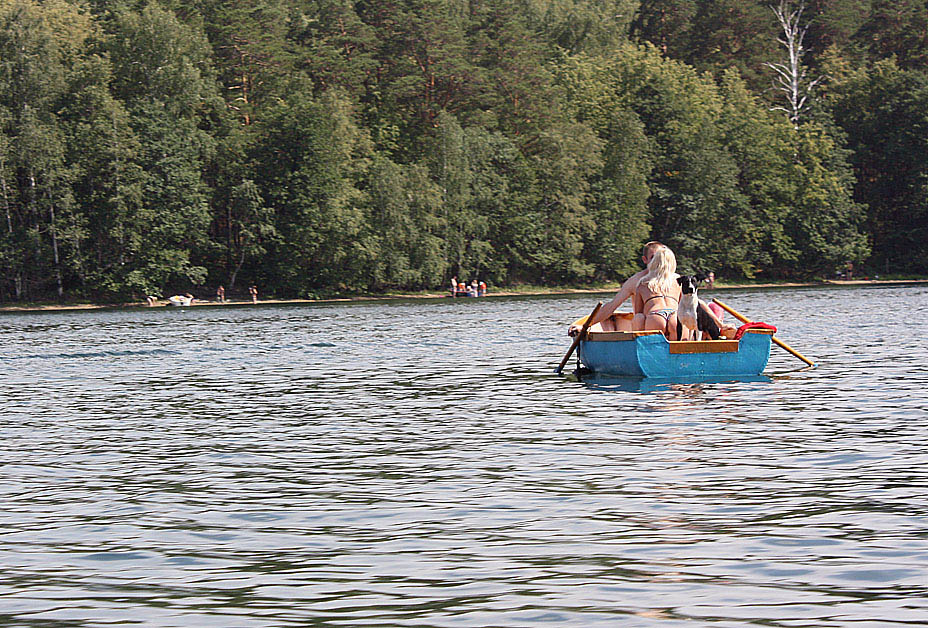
{"points": [[650, 354]]}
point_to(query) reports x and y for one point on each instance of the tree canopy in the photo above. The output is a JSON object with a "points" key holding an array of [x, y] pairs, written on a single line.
{"points": [[321, 146]]}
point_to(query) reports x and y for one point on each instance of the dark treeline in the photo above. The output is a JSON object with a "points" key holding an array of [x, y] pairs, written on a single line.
{"points": [[321, 146]]}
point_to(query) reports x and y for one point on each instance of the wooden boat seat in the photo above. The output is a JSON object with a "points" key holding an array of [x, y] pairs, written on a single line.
{"points": [[704, 346]]}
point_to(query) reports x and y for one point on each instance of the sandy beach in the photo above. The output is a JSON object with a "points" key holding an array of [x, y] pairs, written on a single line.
{"points": [[53, 307]]}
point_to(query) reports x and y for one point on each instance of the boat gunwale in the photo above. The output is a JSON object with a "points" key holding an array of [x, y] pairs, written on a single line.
{"points": [[624, 336]]}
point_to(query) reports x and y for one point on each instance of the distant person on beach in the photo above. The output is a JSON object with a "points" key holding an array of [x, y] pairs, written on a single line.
{"points": [[627, 290], [151, 300], [482, 289], [221, 294], [454, 285], [253, 291], [710, 280]]}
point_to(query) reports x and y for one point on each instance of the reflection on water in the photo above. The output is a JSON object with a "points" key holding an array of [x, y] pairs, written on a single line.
{"points": [[417, 463], [679, 385]]}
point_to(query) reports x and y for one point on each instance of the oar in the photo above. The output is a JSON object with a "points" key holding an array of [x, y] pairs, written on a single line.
{"points": [[586, 326], [744, 319]]}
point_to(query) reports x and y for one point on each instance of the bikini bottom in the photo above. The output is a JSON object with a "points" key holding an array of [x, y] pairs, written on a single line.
{"points": [[665, 313]]}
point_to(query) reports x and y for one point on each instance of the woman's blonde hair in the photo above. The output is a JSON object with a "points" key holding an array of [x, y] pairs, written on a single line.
{"points": [[662, 269]]}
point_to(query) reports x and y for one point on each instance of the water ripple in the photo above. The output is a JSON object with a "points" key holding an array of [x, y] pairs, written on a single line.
{"points": [[418, 464]]}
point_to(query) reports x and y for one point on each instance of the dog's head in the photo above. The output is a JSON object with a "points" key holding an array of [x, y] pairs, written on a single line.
{"points": [[688, 283]]}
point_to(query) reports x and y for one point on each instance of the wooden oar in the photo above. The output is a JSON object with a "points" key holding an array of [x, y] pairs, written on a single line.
{"points": [[579, 337], [779, 342]]}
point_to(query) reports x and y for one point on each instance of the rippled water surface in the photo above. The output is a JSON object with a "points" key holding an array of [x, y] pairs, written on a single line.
{"points": [[417, 463]]}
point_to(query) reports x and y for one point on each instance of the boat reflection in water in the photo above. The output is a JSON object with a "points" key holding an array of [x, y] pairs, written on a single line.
{"points": [[661, 384]]}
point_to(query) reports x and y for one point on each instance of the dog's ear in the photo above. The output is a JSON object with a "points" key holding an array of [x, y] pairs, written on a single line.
{"points": [[681, 279]]}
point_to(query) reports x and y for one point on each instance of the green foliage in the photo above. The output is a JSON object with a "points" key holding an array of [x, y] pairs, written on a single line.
{"points": [[693, 181], [739, 34], [834, 24], [335, 47], [824, 218], [450, 169], [324, 145], [404, 243], [501, 191], [620, 198], [897, 29], [311, 150], [248, 226], [556, 225], [157, 58], [762, 145], [40, 45], [593, 27], [422, 66], [108, 182], [174, 216], [163, 74], [252, 47], [668, 24], [884, 111]]}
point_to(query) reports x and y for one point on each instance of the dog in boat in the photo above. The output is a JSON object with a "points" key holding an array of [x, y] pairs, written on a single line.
{"points": [[693, 313]]}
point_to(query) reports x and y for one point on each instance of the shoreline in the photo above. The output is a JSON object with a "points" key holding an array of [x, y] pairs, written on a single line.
{"points": [[54, 307]]}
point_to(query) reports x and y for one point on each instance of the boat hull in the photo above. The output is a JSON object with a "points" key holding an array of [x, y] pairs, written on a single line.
{"points": [[643, 354]]}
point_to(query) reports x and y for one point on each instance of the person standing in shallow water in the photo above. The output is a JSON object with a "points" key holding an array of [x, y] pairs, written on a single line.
{"points": [[221, 294], [253, 291]]}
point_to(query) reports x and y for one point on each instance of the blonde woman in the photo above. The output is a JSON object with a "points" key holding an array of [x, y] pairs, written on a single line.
{"points": [[658, 294], [627, 290]]}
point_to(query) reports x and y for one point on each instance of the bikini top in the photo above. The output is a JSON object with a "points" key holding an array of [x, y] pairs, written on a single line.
{"points": [[665, 296]]}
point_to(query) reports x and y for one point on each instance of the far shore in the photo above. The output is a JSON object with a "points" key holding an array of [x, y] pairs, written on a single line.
{"points": [[522, 292]]}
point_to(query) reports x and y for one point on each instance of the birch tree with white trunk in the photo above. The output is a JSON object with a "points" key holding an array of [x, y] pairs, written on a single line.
{"points": [[792, 75]]}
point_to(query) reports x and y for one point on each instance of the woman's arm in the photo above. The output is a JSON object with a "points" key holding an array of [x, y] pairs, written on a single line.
{"points": [[628, 289]]}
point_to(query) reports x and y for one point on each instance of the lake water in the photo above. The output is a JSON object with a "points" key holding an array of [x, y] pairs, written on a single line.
{"points": [[417, 463]]}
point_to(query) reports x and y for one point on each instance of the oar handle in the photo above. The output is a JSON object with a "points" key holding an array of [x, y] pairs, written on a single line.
{"points": [[579, 337], [740, 317], [779, 342]]}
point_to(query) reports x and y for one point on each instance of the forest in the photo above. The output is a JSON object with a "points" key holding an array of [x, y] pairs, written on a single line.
{"points": [[320, 147]]}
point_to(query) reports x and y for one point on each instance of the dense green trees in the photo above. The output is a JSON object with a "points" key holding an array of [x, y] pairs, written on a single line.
{"points": [[316, 146], [884, 111], [43, 59], [728, 180], [310, 150]]}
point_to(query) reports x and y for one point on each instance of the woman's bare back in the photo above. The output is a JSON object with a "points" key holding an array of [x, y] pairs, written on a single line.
{"points": [[657, 310]]}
